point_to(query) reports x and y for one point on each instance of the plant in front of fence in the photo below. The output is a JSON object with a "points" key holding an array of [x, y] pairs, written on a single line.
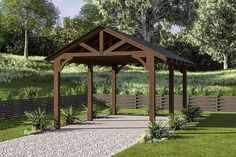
{"points": [[69, 115], [157, 132], [177, 122], [37, 121], [96, 109], [157, 109], [192, 113]]}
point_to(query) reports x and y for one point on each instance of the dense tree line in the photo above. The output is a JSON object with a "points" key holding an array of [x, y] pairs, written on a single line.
{"points": [[207, 27]]}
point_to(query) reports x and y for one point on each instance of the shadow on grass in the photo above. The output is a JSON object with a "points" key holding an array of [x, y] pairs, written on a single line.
{"points": [[7, 124], [220, 120]]}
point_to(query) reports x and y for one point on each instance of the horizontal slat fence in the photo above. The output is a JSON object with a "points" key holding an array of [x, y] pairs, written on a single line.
{"points": [[16, 108]]}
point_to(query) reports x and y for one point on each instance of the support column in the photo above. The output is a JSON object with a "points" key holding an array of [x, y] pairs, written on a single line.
{"points": [[56, 95], [152, 87], [113, 82], [171, 89], [90, 93], [184, 71]]}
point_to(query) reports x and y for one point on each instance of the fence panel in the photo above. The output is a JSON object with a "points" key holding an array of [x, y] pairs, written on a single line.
{"points": [[16, 108]]}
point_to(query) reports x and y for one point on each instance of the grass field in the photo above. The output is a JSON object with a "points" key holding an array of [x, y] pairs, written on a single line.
{"points": [[213, 136], [20, 78]]}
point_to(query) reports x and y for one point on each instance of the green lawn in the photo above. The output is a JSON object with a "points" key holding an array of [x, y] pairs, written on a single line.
{"points": [[213, 136]]}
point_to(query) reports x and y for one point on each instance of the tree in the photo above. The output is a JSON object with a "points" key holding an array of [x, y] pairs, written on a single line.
{"points": [[29, 16], [215, 29], [146, 17], [73, 28]]}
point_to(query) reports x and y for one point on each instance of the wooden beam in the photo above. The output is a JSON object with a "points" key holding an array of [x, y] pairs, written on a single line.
{"points": [[136, 44], [88, 47], [184, 71], [113, 82], [110, 49], [56, 95], [171, 89], [90, 93], [120, 67], [101, 41], [152, 88]]}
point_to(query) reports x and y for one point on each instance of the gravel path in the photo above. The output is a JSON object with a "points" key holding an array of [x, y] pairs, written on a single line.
{"points": [[100, 138]]}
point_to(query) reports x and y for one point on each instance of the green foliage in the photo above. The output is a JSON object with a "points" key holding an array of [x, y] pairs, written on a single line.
{"points": [[96, 109], [20, 16], [37, 119], [214, 30], [145, 18], [177, 122], [69, 115], [192, 113], [158, 130]]}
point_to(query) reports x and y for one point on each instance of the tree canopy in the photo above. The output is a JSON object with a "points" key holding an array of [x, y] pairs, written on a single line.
{"points": [[215, 28], [28, 16]]}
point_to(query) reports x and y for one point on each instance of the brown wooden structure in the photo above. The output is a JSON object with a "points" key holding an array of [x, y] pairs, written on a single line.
{"points": [[108, 47]]}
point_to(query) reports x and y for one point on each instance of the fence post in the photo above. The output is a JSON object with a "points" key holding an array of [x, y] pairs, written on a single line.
{"points": [[136, 101], [217, 103], [189, 101]]}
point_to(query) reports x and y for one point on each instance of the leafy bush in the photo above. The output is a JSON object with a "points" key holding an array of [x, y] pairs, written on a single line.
{"points": [[158, 130], [96, 109], [192, 113], [69, 115], [177, 122], [37, 119]]}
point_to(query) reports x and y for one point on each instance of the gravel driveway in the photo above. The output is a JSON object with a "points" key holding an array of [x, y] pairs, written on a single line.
{"points": [[99, 138]]}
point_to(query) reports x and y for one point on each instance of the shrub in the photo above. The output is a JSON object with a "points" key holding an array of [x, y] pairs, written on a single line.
{"points": [[96, 109], [37, 119], [69, 115], [177, 122], [192, 113], [158, 130]]}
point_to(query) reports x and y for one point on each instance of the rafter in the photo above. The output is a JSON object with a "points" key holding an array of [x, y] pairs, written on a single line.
{"points": [[88, 47], [110, 49], [140, 46]]}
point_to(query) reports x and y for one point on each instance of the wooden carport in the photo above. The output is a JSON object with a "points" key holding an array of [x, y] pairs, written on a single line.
{"points": [[108, 47]]}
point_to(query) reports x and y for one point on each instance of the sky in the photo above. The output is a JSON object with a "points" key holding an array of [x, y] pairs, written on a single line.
{"points": [[68, 7]]}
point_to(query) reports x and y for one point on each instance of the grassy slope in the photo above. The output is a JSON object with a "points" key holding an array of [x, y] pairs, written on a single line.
{"points": [[18, 74], [214, 135]]}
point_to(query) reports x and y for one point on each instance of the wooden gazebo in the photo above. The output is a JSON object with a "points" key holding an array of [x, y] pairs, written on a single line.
{"points": [[108, 47]]}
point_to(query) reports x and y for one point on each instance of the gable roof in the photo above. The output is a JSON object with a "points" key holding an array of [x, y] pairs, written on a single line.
{"points": [[162, 51]]}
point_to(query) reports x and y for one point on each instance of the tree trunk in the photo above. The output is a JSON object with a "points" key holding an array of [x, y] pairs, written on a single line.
{"points": [[226, 58], [26, 46]]}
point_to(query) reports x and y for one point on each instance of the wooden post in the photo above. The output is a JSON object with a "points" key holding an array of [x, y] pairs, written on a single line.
{"points": [[101, 42], [56, 95], [152, 87], [90, 93], [171, 89], [113, 82], [184, 71]]}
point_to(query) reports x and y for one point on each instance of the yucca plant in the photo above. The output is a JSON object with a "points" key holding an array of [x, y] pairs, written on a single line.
{"points": [[158, 130], [177, 122], [69, 115], [95, 110], [38, 119], [192, 113]]}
